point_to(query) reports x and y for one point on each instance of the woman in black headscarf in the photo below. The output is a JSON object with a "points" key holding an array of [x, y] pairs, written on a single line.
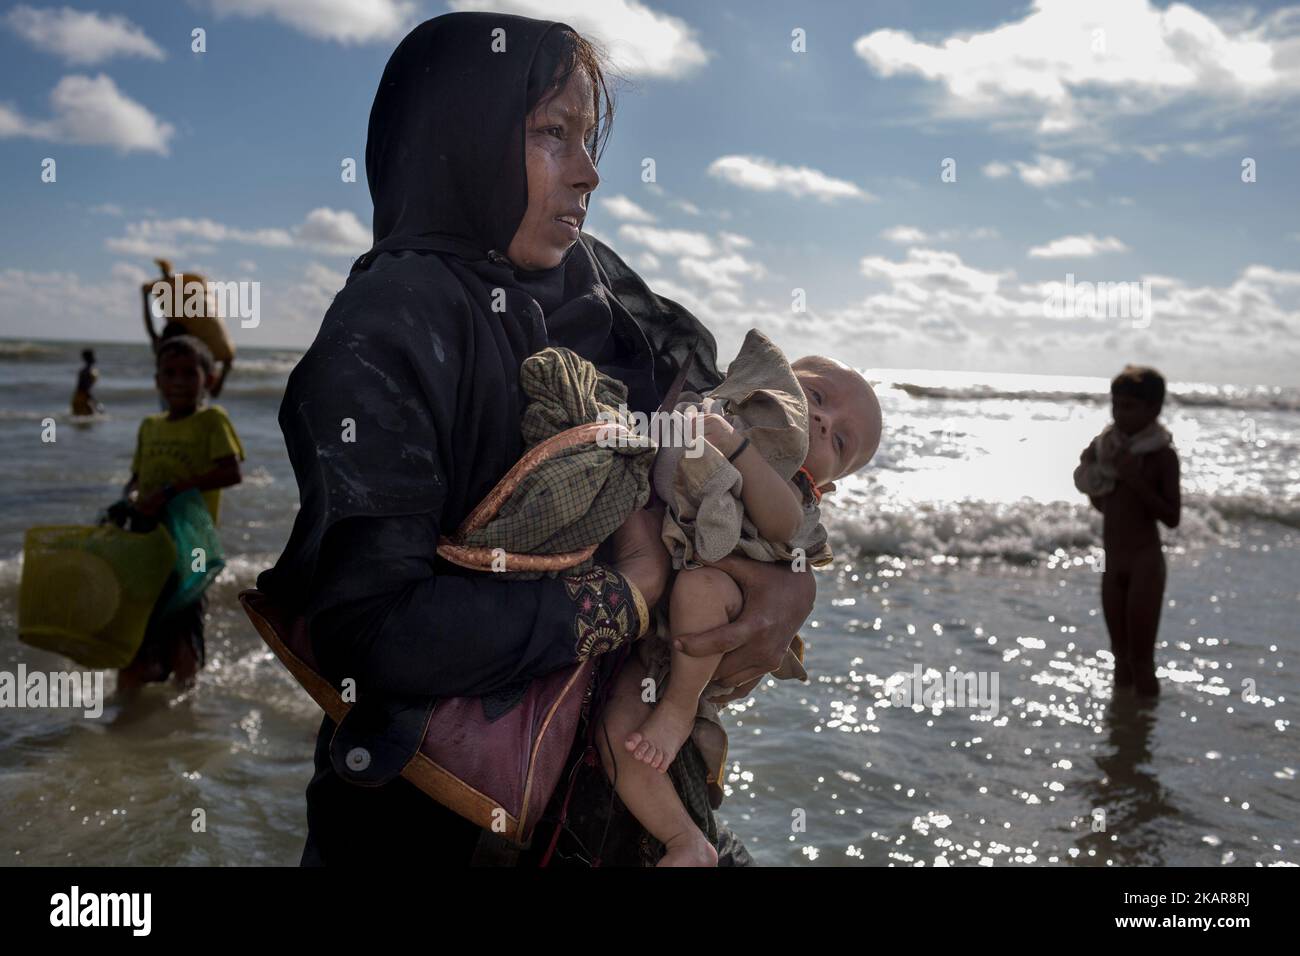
{"points": [[405, 411]]}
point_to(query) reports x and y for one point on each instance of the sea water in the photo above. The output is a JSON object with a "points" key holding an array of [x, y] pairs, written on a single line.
{"points": [[963, 554]]}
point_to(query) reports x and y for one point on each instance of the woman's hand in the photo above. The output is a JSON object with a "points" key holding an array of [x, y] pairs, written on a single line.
{"points": [[777, 602], [744, 690], [640, 555]]}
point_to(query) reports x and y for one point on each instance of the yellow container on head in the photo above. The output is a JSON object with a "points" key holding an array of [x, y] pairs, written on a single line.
{"points": [[187, 299]]}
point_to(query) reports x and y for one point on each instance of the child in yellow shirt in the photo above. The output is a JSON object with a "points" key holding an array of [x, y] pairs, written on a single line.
{"points": [[187, 446]]}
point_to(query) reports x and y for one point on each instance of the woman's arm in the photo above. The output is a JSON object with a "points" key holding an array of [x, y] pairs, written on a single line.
{"points": [[384, 616], [148, 321]]}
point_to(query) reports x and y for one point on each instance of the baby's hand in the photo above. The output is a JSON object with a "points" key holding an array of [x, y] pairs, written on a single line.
{"points": [[718, 432]]}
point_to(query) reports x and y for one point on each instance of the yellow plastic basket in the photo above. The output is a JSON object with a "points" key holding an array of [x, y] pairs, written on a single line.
{"points": [[87, 592]]}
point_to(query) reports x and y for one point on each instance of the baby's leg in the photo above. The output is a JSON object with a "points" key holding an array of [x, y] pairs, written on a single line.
{"points": [[702, 599], [646, 792]]}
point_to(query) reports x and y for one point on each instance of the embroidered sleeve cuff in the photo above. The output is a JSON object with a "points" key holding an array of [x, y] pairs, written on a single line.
{"points": [[609, 611]]}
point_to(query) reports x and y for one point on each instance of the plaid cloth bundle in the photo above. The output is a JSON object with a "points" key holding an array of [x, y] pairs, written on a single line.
{"points": [[583, 494]]}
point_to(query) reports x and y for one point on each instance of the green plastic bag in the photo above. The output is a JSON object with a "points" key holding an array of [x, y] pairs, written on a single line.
{"points": [[199, 558], [87, 592]]}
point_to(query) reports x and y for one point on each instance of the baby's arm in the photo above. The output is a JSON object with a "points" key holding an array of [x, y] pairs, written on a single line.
{"points": [[771, 502]]}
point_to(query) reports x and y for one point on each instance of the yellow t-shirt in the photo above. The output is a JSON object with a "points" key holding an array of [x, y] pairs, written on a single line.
{"points": [[170, 451]]}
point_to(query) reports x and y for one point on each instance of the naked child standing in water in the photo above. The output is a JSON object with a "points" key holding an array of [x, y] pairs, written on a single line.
{"points": [[1130, 474]]}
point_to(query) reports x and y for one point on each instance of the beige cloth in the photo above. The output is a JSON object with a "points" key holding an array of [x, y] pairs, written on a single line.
{"points": [[1097, 478], [705, 517]]}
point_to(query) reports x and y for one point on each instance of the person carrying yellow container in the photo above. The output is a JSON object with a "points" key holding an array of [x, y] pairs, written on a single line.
{"points": [[188, 308], [190, 446]]}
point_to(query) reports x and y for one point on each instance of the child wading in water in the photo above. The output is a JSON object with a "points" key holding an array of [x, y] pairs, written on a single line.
{"points": [[187, 446], [83, 402], [776, 437], [1130, 474]]}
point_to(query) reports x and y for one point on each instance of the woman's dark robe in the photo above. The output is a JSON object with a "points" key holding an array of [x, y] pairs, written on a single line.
{"points": [[405, 411]]}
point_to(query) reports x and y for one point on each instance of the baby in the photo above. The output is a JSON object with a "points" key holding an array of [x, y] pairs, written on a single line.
{"points": [[777, 436]]}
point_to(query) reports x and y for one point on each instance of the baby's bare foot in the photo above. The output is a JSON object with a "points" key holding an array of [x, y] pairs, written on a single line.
{"points": [[689, 849], [657, 741]]}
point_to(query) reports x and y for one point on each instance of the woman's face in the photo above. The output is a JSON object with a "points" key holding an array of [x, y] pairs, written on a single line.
{"points": [[561, 175]]}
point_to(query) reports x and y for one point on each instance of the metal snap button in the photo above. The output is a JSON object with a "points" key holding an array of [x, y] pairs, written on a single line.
{"points": [[358, 759]]}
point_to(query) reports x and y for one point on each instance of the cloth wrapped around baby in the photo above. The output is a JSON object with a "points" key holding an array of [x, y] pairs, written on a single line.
{"points": [[1097, 478], [705, 516]]}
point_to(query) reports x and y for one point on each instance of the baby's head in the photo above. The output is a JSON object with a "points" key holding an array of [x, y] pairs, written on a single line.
{"points": [[844, 421]]}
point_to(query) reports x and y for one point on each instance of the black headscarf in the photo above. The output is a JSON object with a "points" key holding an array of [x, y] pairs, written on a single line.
{"points": [[411, 351], [445, 160]]}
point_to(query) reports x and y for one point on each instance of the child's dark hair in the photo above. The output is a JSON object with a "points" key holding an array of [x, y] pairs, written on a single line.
{"points": [[88, 355], [187, 345], [1141, 382]]}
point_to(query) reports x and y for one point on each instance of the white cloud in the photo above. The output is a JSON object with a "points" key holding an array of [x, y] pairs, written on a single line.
{"points": [[336, 231], [331, 231], [931, 267], [934, 300], [912, 235], [38, 304], [92, 112], [338, 20], [764, 175], [1077, 247], [303, 301], [639, 41], [82, 38], [668, 242], [903, 235], [722, 271], [620, 207], [169, 237], [131, 273], [1045, 171], [1066, 64]]}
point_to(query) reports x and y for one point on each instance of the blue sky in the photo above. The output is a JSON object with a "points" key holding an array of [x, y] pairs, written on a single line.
{"points": [[1103, 140]]}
